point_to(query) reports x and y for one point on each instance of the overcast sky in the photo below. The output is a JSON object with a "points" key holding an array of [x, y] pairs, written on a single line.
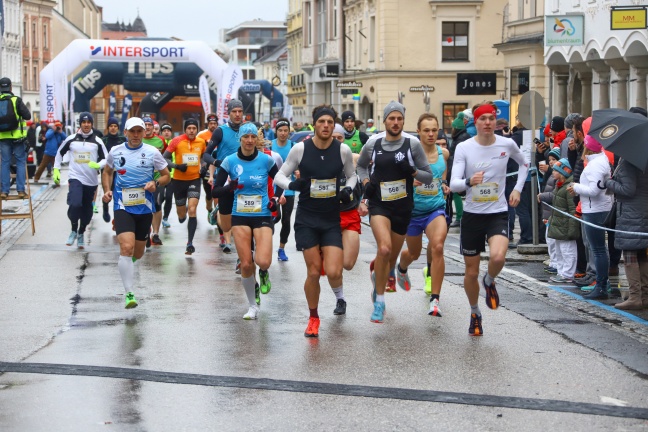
{"points": [[192, 19]]}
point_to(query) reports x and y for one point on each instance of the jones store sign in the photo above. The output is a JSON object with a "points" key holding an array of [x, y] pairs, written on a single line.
{"points": [[476, 83]]}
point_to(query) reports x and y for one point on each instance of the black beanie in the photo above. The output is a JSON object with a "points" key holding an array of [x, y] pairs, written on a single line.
{"points": [[557, 124], [348, 115]]}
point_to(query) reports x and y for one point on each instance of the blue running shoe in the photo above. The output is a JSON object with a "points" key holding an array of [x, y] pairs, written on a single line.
{"points": [[71, 238], [281, 255], [165, 223], [378, 314]]}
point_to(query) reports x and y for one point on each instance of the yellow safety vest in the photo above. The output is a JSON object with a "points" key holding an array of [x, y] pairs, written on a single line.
{"points": [[21, 130]]}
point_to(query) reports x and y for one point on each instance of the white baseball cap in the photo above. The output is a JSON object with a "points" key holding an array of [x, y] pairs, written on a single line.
{"points": [[134, 122], [468, 114]]}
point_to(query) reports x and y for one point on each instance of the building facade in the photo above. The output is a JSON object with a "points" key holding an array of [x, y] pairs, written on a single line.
{"points": [[322, 54], [10, 48], [37, 49], [597, 54], [296, 90], [272, 66], [246, 40], [435, 56], [522, 46]]}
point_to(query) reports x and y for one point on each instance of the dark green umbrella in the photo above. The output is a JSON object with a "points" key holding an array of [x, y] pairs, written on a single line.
{"points": [[623, 133]]}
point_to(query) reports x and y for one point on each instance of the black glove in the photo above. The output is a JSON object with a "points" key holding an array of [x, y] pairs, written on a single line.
{"points": [[406, 168], [272, 205], [217, 163], [346, 195], [181, 167], [371, 188], [301, 184], [233, 185]]}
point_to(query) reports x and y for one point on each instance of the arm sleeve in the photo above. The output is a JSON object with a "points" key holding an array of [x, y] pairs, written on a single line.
{"points": [[523, 170], [423, 170], [219, 189], [282, 179], [364, 159], [109, 160], [101, 153], [212, 145], [349, 168], [22, 109], [65, 147], [457, 180], [364, 138]]}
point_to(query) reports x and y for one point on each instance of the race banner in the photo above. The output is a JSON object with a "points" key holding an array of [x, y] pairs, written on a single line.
{"points": [[112, 104], [203, 89], [128, 103], [228, 90]]}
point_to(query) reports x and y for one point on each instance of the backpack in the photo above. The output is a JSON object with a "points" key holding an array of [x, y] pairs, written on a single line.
{"points": [[8, 116]]}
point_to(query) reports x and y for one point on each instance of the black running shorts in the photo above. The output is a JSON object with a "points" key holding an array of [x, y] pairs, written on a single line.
{"points": [[140, 224], [476, 229], [316, 230]]}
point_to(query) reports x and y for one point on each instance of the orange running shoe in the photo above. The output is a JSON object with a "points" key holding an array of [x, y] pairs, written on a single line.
{"points": [[391, 284], [492, 298], [475, 328], [312, 330]]}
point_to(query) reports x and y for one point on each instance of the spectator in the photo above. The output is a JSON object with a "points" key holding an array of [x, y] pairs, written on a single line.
{"points": [[595, 209], [630, 187], [557, 131], [546, 196], [459, 134], [469, 121], [13, 137], [54, 137], [569, 136]]}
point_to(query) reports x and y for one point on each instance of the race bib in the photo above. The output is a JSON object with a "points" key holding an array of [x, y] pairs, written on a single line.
{"points": [[485, 192], [393, 190], [431, 189], [191, 159], [323, 188], [80, 157], [248, 203], [133, 196]]}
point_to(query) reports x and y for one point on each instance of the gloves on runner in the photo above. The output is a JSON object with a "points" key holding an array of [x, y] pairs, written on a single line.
{"points": [[371, 188], [56, 176], [181, 167], [345, 195], [301, 184], [406, 168], [234, 184], [272, 205], [94, 165]]}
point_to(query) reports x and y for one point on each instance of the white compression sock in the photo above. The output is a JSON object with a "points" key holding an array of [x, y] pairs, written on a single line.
{"points": [[248, 285], [339, 293], [127, 272], [380, 298]]}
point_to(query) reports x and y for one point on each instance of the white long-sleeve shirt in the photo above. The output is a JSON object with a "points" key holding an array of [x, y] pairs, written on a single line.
{"points": [[593, 199], [83, 150], [471, 157]]}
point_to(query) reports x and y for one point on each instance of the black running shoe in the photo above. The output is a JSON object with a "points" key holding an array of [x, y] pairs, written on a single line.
{"points": [[190, 249], [340, 307], [492, 298], [475, 328]]}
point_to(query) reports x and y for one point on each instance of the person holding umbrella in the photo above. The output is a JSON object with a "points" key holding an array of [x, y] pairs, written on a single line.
{"points": [[630, 187], [595, 206]]}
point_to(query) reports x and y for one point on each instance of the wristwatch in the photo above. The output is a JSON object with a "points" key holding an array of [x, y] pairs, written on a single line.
{"points": [[157, 183], [468, 182], [364, 201], [445, 182]]}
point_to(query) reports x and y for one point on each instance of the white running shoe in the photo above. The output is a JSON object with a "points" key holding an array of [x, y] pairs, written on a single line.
{"points": [[434, 308], [252, 313]]}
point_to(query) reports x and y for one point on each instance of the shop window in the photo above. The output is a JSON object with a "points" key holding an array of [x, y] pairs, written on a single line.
{"points": [[450, 111]]}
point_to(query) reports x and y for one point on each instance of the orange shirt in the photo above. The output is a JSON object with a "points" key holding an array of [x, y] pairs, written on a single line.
{"points": [[206, 135], [189, 153]]}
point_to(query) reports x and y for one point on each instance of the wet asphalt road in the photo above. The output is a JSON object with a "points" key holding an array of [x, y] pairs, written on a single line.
{"points": [[186, 360]]}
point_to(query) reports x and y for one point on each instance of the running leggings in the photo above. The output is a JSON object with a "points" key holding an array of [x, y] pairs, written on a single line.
{"points": [[286, 213], [80, 199]]}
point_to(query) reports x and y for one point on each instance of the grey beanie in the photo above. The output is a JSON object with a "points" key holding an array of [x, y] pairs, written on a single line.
{"points": [[569, 120], [234, 103], [391, 107]]}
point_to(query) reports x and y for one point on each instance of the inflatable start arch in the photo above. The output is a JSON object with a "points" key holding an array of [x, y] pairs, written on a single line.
{"points": [[55, 97]]}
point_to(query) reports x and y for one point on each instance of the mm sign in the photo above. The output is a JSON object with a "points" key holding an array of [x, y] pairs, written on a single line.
{"points": [[628, 18]]}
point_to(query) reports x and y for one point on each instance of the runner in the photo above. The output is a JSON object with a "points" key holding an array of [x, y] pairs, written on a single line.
{"points": [[282, 146], [396, 161], [88, 156], [110, 140], [133, 165], [320, 160], [249, 171], [350, 226], [352, 136], [212, 124], [225, 141], [166, 191], [428, 215], [151, 137], [479, 168], [187, 148]]}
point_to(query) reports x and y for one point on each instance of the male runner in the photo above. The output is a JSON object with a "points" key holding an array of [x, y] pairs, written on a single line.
{"points": [[225, 141], [479, 168], [151, 137], [187, 149], [133, 165], [166, 192], [206, 134], [88, 156], [282, 146], [320, 161], [353, 137], [396, 162]]}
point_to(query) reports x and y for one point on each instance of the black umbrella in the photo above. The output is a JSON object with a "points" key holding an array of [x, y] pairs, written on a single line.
{"points": [[623, 133]]}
